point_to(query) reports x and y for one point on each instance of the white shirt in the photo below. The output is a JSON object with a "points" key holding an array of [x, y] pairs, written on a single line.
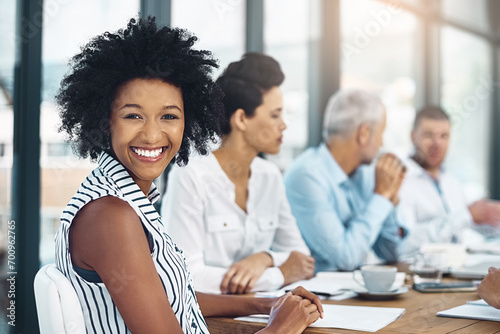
{"points": [[435, 211], [201, 215]]}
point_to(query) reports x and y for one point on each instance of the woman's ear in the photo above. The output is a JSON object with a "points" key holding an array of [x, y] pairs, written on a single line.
{"points": [[238, 120], [363, 134]]}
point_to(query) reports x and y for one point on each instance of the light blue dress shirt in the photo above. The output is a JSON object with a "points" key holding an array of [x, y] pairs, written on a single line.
{"points": [[340, 217]]}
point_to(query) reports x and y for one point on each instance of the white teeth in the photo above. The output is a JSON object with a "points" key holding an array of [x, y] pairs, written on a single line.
{"points": [[148, 153]]}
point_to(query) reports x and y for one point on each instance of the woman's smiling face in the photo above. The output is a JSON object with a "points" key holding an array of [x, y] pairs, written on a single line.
{"points": [[146, 124]]}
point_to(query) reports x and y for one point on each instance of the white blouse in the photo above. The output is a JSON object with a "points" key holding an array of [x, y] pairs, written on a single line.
{"points": [[201, 215]]}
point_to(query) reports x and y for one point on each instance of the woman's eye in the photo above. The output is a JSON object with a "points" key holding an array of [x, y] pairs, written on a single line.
{"points": [[132, 116], [170, 116]]}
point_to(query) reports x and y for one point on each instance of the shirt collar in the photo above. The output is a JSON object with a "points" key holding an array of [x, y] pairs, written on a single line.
{"points": [[335, 173], [224, 180], [220, 176], [416, 170], [115, 170]]}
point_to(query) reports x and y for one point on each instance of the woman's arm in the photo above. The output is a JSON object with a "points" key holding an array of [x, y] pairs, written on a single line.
{"points": [[291, 313], [107, 236], [288, 237], [299, 265], [233, 306]]}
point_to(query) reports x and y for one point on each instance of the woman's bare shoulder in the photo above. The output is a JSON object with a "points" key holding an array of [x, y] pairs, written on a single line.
{"points": [[103, 224]]}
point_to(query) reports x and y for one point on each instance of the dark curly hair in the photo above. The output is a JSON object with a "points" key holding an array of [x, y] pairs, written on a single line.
{"points": [[245, 81], [145, 51]]}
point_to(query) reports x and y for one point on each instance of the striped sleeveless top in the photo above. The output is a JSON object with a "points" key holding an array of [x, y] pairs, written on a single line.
{"points": [[100, 313]]}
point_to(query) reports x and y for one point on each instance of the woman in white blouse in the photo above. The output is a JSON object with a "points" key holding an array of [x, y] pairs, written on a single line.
{"points": [[229, 211]]}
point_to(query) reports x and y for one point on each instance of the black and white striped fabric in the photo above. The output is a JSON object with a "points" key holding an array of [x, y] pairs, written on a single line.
{"points": [[101, 314]]}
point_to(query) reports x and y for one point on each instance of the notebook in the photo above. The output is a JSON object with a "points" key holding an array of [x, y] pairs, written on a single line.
{"points": [[477, 309], [360, 318], [476, 271]]}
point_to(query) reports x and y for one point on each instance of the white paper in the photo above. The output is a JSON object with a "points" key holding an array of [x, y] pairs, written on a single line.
{"points": [[485, 248], [360, 318], [343, 294], [452, 255], [472, 311], [318, 284], [476, 265], [480, 302]]}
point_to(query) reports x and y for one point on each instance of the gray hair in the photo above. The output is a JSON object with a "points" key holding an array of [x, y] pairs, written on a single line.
{"points": [[348, 109]]}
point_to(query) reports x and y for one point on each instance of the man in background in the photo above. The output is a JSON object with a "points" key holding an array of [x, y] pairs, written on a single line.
{"points": [[344, 206], [433, 202]]}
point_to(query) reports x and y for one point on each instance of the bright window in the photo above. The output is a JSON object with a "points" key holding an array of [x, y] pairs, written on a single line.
{"points": [[219, 25], [378, 54], [287, 37], [466, 92], [473, 14]]}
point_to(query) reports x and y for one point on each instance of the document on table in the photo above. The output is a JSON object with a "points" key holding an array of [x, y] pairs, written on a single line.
{"points": [[360, 318], [476, 266], [477, 309], [319, 285], [330, 285], [485, 248]]}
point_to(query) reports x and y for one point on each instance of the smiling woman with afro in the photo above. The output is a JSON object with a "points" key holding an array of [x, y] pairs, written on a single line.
{"points": [[134, 100]]}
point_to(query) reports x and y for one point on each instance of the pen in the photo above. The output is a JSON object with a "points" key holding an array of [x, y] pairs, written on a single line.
{"points": [[325, 294]]}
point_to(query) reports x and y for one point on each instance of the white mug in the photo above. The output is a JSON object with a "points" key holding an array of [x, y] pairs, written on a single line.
{"points": [[377, 278]]}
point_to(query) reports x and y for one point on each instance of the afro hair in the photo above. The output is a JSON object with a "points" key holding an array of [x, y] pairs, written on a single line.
{"points": [[145, 51]]}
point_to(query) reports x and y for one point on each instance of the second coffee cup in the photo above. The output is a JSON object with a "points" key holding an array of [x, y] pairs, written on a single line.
{"points": [[377, 278]]}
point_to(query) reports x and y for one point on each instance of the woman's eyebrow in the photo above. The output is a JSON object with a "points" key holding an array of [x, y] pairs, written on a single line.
{"points": [[131, 105], [173, 106], [137, 106]]}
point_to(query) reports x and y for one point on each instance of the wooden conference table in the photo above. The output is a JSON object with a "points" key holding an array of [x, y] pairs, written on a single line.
{"points": [[420, 316]]}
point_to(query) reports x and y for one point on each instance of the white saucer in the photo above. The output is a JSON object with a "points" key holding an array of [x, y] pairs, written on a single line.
{"points": [[363, 293]]}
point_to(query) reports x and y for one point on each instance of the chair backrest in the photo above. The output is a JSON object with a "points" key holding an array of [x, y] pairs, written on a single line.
{"points": [[57, 304]]}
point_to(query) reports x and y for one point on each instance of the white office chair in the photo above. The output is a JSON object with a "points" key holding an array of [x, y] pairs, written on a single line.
{"points": [[57, 304]]}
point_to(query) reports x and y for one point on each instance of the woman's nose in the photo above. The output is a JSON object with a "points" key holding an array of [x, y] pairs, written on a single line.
{"points": [[152, 132], [283, 125]]}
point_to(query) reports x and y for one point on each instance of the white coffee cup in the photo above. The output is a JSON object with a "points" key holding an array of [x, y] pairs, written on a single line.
{"points": [[377, 278]]}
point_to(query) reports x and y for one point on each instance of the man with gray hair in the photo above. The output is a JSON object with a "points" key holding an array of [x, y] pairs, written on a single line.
{"points": [[344, 206]]}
